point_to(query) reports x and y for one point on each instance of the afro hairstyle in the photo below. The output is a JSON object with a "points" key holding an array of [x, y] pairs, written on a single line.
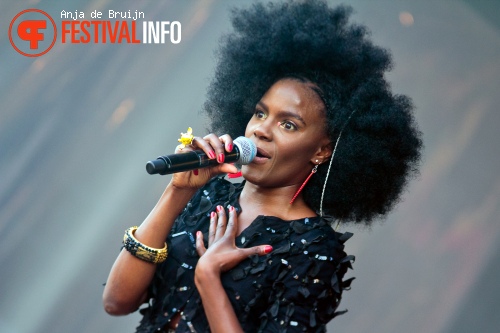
{"points": [[379, 150]]}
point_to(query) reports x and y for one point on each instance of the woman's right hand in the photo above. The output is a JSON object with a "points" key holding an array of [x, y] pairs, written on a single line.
{"points": [[125, 292], [214, 147]]}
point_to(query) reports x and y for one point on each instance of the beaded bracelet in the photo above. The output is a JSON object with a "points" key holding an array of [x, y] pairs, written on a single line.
{"points": [[141, 251]]}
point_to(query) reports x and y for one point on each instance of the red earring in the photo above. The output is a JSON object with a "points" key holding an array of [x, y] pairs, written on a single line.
{"points": [[313, 171]]}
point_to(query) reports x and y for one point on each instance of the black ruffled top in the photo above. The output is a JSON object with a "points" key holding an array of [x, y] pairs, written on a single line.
{"points": [[295, 288]]}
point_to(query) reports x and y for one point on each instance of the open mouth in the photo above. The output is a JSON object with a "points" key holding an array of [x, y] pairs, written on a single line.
{"points": [[262, 153]]}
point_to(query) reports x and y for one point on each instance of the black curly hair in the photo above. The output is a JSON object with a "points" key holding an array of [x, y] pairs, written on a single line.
{"points": [[380, 146]]}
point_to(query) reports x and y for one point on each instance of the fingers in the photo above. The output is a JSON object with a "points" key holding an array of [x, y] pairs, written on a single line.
{"points": [[231, 223], [221, 223], [227, 168], [222, 250], [206, 146], [214, 146], [258, 250], [231, 231], [179, 149], [227, 141], [200, 247], [211, 229]]}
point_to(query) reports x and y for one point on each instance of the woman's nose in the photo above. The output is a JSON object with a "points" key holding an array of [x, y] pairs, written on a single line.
{"points": [[264, 130]]}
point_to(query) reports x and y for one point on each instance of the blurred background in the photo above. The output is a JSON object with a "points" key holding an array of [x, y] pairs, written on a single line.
{"points": [[78, 124]]}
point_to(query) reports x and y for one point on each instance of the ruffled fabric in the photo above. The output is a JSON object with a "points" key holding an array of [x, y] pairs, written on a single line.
{"points": [[295, 288]]}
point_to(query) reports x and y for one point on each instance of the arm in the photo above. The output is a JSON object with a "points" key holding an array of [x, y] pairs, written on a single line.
{"points": [[130, 277], [124, 291], [218, 309], [222, 255]]}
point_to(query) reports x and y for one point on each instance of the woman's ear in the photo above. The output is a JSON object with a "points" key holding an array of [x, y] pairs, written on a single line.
{"points": [[322, 154]]}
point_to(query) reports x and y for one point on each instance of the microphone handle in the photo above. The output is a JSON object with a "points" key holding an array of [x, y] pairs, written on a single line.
{"points": [[192, 160]]}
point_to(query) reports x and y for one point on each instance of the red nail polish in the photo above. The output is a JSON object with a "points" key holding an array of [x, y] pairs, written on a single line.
{"points": [[220, 158], [230, 147], [195, 172], [212, 215], [211, 154], [268, 249], [235, 175], [219, 208], [231, 208]]}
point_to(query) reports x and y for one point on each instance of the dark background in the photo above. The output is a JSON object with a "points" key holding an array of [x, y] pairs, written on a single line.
{"points": [[78, 124]]}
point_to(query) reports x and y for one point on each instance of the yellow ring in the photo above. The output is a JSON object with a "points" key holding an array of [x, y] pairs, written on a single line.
{"points": [[186, 138]]}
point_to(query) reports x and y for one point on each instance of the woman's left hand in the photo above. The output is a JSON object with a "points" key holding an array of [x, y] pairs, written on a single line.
{"points": [[222, 253]]}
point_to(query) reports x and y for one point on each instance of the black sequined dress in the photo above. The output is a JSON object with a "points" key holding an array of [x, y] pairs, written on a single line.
{"points": [[295, 288]]}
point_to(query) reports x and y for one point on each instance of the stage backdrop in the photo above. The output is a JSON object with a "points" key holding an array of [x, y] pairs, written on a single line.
{"points": [[78, 123]]}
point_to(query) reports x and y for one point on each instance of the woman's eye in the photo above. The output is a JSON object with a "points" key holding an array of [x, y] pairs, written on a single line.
{"points": [[259, 114], [288, 125]]}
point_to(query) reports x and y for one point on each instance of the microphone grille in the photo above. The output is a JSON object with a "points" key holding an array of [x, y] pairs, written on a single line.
{"points": [[247, 149]]}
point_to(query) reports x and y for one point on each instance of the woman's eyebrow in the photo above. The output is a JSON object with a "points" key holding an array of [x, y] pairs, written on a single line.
{"points": [[263, 105], [284, 113]]}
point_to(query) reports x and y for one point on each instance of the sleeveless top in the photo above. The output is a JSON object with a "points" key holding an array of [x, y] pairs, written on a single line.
{"points": [[295, 288]]}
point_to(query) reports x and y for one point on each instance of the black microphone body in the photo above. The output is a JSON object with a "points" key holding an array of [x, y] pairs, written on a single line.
{"points": [[192, 160], [244, 151]]}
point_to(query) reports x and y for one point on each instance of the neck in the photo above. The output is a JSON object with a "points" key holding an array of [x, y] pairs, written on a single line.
{"points": [[274, 202]]}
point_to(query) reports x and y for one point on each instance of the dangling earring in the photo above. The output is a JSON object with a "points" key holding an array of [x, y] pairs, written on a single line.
{"points": [[313, 171]]}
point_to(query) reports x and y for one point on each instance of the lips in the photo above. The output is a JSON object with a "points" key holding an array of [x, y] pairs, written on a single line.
{"points": [[262, 153], [261, 157]]}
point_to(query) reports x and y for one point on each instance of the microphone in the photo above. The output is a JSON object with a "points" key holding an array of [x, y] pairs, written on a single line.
{"points": [[244, 151]]}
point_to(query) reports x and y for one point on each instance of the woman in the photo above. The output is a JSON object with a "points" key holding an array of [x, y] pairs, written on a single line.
{"points": [[334, 144]]}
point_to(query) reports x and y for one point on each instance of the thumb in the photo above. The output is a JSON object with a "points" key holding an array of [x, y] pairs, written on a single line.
{"points": [[259, 250], [227, 168]]}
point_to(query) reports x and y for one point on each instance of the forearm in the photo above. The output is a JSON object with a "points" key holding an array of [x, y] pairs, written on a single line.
{"points": [[218, 309], [130, 277]]}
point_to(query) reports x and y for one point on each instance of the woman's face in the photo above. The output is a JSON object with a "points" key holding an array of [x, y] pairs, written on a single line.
{"points": [[288, 128]]}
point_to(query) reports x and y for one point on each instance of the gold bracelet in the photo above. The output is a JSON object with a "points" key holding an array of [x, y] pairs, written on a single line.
{"points": [[141, 251]]}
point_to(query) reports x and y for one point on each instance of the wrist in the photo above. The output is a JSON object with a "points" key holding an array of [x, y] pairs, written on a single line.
{"points": [[205, 274], [181, 190]]}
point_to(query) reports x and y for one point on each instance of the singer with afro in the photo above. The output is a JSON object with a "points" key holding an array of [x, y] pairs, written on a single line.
{"points": [[334, 146]]}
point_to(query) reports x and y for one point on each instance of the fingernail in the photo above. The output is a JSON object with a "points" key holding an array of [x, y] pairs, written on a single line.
{"points": [[211, 154], [220, 158], [231, 208], [212, 215], [219, 208], [268, 249], [230, 147], [195, 172], [198, 234]]}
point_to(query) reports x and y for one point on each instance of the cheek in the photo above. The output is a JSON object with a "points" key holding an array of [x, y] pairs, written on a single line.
{"points": [[299, 151]]}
